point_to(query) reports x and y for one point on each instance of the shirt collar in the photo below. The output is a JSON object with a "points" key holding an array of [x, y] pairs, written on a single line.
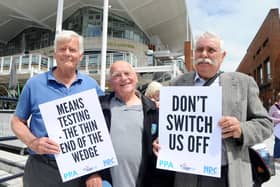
{"points": [[198, 81], [50, 75]]}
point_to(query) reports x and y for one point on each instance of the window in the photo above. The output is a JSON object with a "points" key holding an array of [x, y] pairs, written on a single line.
{"points": [[267, 69], [118, 56], [93, 30], [260, 74], [258, 51], [45, 40], [265, 42], [98, 17]]}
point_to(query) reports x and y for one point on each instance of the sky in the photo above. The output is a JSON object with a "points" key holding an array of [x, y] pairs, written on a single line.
{"points": [[236, 22]]}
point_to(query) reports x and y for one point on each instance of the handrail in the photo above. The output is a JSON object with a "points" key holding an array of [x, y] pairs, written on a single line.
{"points": [[4, 179], [5, 138], [10, 163]]}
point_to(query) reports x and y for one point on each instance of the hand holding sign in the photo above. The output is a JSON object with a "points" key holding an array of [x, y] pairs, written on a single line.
{"points": [[156, 147], [44, 145], [230, 127]]}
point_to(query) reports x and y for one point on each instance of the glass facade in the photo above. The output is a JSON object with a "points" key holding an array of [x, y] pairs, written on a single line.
{"points": [[29, 39], [86, 21]]}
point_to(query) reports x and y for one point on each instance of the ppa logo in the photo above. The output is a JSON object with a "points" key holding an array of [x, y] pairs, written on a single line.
{"points": [[70, 174], [165, 164]]}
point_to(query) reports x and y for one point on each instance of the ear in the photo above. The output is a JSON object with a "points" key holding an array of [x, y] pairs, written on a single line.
{"points": [[81, 56], [224, 54], [54, 54], [136, 76]]}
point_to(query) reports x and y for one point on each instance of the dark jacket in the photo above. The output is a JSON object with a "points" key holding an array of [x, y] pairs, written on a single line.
{"points": [[148, 175]]}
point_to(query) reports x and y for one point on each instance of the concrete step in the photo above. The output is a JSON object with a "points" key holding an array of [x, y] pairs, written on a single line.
{"points": [[7, 169]]}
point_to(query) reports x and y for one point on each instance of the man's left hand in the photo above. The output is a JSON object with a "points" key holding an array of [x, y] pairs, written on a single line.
{"points": [[94, 180], [230, 127]]}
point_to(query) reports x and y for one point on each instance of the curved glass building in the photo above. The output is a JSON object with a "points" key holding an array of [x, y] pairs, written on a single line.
{"points": [[135, 28]]}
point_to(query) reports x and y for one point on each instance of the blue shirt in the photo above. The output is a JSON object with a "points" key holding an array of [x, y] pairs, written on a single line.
{"points": [[44, 88], [198, 81]]}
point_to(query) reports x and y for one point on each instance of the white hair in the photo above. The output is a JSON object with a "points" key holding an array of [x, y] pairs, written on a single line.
{"points": [[152, 88], [65, 35], [210, 35]]}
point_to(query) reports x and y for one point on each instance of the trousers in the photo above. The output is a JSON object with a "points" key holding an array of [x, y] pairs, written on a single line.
{"points": [[41, 171], [276, 151], [203, 181]]}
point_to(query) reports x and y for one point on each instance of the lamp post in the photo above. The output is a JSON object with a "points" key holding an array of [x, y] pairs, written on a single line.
{"points": [[104, 45], [59, 16]]}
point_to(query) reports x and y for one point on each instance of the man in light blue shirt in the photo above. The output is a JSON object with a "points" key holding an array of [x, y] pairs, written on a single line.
{"points": [[63, 80]]}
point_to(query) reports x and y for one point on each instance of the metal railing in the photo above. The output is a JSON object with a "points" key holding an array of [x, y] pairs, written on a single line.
{"points": [[11, 163], [36, 63]]}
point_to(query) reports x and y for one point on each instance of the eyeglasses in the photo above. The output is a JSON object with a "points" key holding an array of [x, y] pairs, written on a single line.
{"points": [[208, 50], [118, 75]]}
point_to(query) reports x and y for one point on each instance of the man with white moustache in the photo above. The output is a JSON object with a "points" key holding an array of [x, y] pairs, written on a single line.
{"points": [[244, 120]]}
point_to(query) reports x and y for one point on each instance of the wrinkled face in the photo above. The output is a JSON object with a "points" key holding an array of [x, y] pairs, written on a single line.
{"points": [[123, 79], [208, 57], [68, 54]]}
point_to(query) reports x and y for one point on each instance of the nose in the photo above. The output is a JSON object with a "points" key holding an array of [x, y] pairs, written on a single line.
{"points": [[204, 53], [67, 52], [123, 76]]}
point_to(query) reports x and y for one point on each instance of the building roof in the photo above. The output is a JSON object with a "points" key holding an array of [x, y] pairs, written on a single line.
{"points": [[161, 20]]}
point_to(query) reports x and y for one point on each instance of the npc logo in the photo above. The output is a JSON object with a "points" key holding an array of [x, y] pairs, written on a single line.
{"points": [[108, 162], [210, 170]]}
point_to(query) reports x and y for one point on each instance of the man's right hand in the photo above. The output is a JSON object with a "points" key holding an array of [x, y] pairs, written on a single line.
{"points": [[44, 145], [156, 147]]}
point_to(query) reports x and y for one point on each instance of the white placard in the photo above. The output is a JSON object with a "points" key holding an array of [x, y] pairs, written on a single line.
{"points": [[77, 124], [189, 135]]}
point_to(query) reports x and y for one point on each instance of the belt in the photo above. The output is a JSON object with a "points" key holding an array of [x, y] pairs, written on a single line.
{"points": [[46, 160]]}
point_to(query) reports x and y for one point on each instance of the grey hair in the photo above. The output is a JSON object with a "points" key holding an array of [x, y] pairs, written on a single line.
{"points": [[210, 35], [65, 35]]}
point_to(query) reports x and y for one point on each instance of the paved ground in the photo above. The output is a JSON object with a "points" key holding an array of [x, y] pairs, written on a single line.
{"points": [[275, 180]]}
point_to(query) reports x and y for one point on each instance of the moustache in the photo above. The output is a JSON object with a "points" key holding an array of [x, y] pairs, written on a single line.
{"points": [[204, 60]]}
